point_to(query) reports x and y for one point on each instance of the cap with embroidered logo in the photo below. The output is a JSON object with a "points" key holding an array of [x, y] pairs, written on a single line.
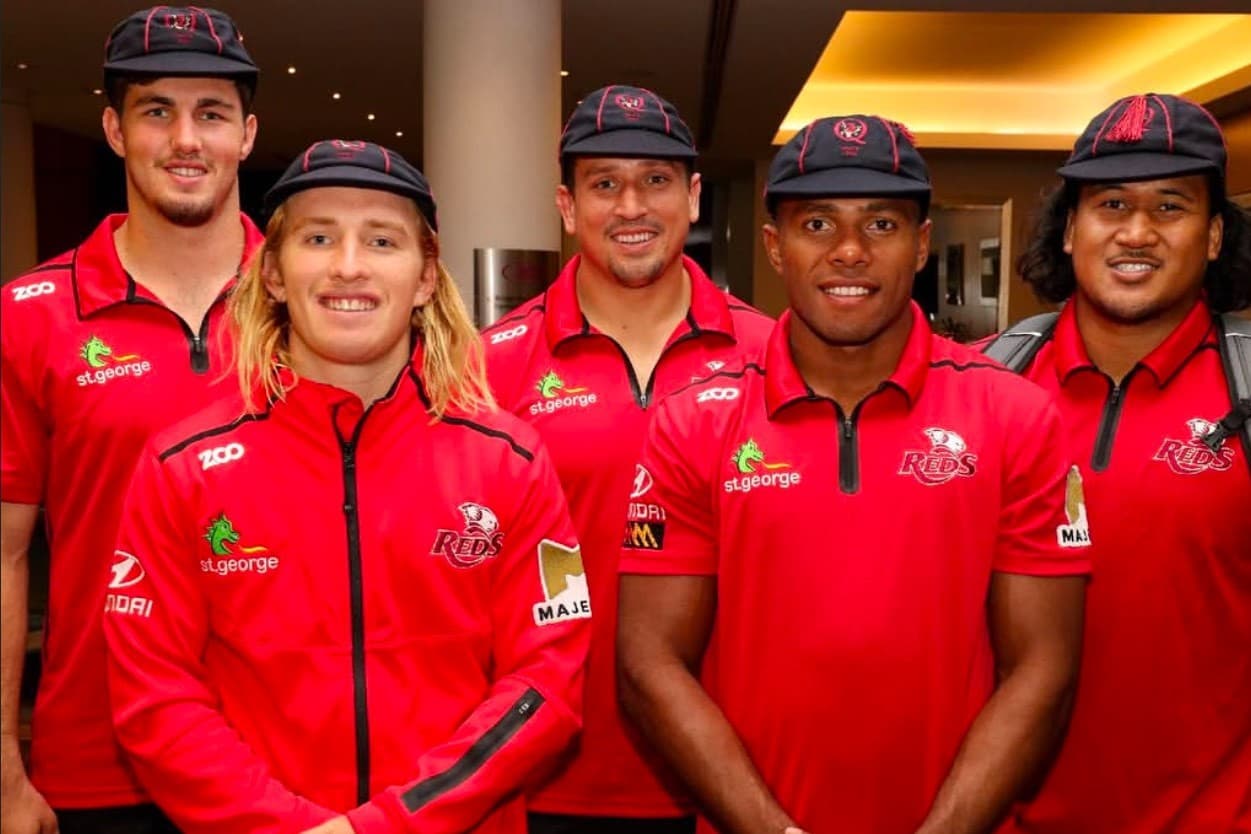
{"points": [[626, 121], [849, 156], [1146, 137], [353, 164], [179, 41]]}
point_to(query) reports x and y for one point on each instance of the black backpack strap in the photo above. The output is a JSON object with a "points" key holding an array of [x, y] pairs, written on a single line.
{"points": [[1017, 346], [1234, 340]]}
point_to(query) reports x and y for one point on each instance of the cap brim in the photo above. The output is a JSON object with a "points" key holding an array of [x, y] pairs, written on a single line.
{"points": [[1127, 167], [348, 176], [847, 182], [184, 63], [630, 143]]}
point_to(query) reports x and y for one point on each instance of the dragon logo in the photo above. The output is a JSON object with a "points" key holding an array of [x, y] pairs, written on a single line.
{"points": [[97, 354], [221, 534], [551, 386], [749, 455]]}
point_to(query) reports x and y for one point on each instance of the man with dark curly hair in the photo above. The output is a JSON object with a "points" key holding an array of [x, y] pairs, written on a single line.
{"points": [[1144, 249]]}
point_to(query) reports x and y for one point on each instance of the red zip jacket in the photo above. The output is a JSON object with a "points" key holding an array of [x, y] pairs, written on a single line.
{"points": [[320, 609], [93, 365]]}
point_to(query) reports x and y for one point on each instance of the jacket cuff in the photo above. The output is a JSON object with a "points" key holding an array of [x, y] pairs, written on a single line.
{"points": [[370, 819]]}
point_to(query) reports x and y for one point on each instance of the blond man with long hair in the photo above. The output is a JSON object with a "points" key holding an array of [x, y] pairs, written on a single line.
{"points": [[358, 586]]}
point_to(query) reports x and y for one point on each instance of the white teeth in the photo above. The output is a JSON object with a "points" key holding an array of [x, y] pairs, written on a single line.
{"points": [[349, 305], [1135, 267], [846, 291], [637, 237], [186, 172]]}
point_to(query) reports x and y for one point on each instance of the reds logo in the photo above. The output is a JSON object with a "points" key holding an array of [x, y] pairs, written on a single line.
{"points": [[1192, 457], [347, 149], [947, 458], [851, 130], [480, 540], [183, 24], [632, 106]]}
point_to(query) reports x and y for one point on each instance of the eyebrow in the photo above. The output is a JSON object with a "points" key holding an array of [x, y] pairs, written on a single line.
{"points": [[166, 101], [871, 207], [332, 221], [1103, 188]]}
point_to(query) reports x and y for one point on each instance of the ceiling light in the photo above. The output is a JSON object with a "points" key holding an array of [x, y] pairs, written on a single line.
{"points": [[23, 66], [399, 133], [97, 92], [564, 73], [291, 70], [335, 96], [371, 117]]}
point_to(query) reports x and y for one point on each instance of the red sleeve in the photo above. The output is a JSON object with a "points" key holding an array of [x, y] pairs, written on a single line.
{"points": [[24, 433], [191, 761], [541, 622], [1042, 524], [679, 459]]}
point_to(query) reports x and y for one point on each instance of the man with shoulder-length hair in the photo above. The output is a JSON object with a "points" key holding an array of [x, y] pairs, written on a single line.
{"points": [[102, 346], [1144, 249]]}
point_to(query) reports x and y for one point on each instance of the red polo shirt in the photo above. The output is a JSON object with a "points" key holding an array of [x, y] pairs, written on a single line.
{"points": [[1160, 739], [92, 364], [853, 554], [576, 386]]}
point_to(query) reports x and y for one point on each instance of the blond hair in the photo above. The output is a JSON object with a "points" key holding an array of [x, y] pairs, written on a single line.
{"points": [[453, 367]]}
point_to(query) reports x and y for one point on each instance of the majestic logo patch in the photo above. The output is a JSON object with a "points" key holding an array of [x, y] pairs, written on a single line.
{"points": [[1076, 533], [947, 458], [1193, 456], [106, 365], [126, 571], [556, 395], [565, 595], [746, 459], [222, 538], [631, 106], [480, 540], [642, 481], [715, 365]]}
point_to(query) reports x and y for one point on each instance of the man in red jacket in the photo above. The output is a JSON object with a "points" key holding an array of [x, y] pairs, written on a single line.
{"points": [[1143, 247], [629, 320], [102, 346], [353, 601]]}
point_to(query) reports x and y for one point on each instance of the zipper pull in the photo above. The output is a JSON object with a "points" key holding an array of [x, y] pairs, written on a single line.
{"points": [[199, 355]]}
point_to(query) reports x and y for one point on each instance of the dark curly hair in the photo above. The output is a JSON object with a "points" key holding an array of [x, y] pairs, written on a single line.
{"points": [[1048, 269]]}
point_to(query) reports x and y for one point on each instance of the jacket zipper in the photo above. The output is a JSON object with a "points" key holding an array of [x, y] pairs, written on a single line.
{"points": [[509, 724], [356, 591], [643, 396], [848, 456], [1107, 424]]}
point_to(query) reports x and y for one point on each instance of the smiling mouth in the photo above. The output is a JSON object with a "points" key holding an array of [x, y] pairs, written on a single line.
{"points": [[846, 292], [1134, 268], [349, 305], [632, 238], [180, 171]]}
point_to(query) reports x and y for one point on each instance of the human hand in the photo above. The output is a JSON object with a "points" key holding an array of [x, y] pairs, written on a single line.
{"points": [[338, 825], [23, 809]]}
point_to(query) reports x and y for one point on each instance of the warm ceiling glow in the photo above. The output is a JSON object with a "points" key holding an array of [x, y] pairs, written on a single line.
{"points": [[335, 96], [290, 70], [1008, 80]]}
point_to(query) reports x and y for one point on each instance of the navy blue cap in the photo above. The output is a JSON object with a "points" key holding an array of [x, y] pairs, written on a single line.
{"points": [[849, 156], [179, 41], [354, 164], [1148, 137], [629, 122]]}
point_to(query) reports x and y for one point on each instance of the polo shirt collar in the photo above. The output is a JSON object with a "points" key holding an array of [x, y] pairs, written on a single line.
{"points": [[785, 385], [100, 280], [1164, 362], [564, 319]]}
